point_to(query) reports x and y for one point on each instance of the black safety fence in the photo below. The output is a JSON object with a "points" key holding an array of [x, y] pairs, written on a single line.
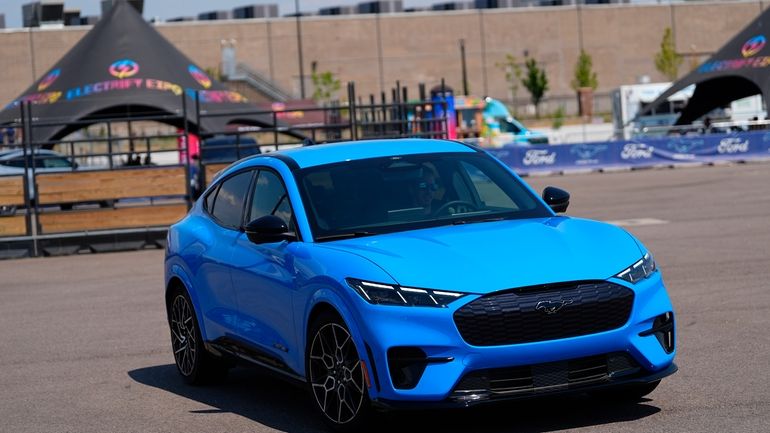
{"points": [[112, 185], [355, 119]]}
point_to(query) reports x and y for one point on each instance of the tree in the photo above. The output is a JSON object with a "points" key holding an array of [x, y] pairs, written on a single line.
{"points": [[667, 60], [584, 74], [325, 84], [512, 69], [536, 82]]}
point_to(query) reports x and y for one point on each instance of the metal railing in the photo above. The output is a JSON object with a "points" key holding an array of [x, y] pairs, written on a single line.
{"points": [[261, 83], [119, 148], [701, 128]]}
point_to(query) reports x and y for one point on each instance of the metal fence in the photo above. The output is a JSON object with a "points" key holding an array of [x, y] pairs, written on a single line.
{"points": [[110, 187]]}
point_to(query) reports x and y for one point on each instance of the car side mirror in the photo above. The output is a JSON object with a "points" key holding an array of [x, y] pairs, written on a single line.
{"points": [[556, 198], [268, 229]]}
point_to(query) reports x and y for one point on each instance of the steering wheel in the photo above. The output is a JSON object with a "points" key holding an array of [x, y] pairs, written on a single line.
{"points": [[456, 206]]}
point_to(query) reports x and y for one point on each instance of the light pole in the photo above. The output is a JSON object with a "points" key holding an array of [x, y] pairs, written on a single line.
{"points": [[299, 51], [464, 68]]}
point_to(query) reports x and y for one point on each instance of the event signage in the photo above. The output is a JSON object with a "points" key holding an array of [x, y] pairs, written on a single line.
{"points": [[199, 76], [638, 153], [124, 68], [753, 46], [48, 80], [749, 49]]}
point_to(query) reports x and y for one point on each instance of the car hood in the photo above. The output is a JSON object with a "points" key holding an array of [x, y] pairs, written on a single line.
{"points": [[486, 257]]}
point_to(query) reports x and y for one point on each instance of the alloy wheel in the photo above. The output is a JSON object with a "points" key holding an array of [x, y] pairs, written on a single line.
{"points": [[183, 335], [336, 374]]}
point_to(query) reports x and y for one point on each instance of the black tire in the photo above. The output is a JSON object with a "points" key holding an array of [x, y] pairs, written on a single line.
{"points": [[628, 393], [196, 365], [336, 380]]}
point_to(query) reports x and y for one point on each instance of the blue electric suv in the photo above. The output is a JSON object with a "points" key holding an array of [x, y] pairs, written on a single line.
{"points": [[399, 273]]}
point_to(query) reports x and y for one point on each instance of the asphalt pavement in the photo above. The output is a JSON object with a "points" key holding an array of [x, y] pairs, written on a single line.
{"points": [[84, 345]]}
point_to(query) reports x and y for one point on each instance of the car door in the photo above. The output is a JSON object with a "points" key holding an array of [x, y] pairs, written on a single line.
{"points": [[219, 236], [263, 274]]}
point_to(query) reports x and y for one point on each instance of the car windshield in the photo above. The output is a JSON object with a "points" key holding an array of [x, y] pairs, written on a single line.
{"points": [[383, 195]]}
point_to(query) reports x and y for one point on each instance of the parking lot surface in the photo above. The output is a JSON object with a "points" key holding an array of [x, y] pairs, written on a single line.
{"points": [[85, 346]]}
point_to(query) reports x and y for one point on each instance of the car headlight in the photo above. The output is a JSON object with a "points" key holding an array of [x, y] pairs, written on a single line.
{"points": [[391, 294], [639, 270]]}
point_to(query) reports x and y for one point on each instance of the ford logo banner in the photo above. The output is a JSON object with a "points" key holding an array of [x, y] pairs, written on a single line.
{"points": [[637, 153]]}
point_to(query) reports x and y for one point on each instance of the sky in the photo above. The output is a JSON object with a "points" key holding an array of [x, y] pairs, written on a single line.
{"points": [[166, 9]]}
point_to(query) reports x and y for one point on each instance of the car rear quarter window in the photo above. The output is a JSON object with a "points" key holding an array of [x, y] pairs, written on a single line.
{"points": [[228, 203], [209, 203]]}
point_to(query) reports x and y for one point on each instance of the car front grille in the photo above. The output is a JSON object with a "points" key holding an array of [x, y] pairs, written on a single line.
{"points": [[546, 377], [547, 312]]}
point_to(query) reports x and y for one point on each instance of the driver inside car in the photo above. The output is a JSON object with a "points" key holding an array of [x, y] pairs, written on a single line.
{"points": [[425, 190]]}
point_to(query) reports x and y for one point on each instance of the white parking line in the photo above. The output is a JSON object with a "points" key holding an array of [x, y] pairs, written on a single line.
{"points": [[635, 222]]}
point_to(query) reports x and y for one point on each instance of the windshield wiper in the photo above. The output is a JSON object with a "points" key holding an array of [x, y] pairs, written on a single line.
{"points": [[473, 221], [350, 235]]}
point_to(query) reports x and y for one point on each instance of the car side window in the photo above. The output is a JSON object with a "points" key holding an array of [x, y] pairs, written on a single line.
{"points": [[270, 198], [16, 162], [56, 162], [228, 204], [489, 192]]}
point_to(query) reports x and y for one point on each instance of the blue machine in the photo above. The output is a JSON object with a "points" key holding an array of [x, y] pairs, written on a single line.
{"points": [[401, 273]]}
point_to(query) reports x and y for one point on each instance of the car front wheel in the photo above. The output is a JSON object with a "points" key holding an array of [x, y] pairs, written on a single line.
{"points": [[335, 374]]}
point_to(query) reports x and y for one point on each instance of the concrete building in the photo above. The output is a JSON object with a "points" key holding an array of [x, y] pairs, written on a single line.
{"points": [[107, 5], [381, 7], [43, 13], [180, 19], [89, 20], [71, 17], [338, 10], [256, 11], [452, 6], [214, 16], [500, 4], [423, 47]]}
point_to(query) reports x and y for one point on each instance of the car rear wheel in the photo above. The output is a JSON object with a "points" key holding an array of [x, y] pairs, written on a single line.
{"points": [[193, 362], [336, 375]]}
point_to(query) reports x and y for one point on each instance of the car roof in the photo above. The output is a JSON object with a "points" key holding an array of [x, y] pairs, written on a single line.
{"points": [[321, 154]]}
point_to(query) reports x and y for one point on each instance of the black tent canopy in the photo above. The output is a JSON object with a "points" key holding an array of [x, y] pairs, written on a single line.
{"points": [[741, 68], [125, 68]]}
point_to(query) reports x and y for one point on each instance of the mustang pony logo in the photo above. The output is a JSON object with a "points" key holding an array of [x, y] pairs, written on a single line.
{"points": [[552, 307], [587, 151], [753, 46], [124, 68], [48, 80]]}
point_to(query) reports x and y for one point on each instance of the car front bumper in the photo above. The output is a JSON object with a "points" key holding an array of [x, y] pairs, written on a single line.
{"points": [[448, 359]]}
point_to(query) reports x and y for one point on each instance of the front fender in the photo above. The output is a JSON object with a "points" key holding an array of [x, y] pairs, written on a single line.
{"points": [[333, 294]]}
